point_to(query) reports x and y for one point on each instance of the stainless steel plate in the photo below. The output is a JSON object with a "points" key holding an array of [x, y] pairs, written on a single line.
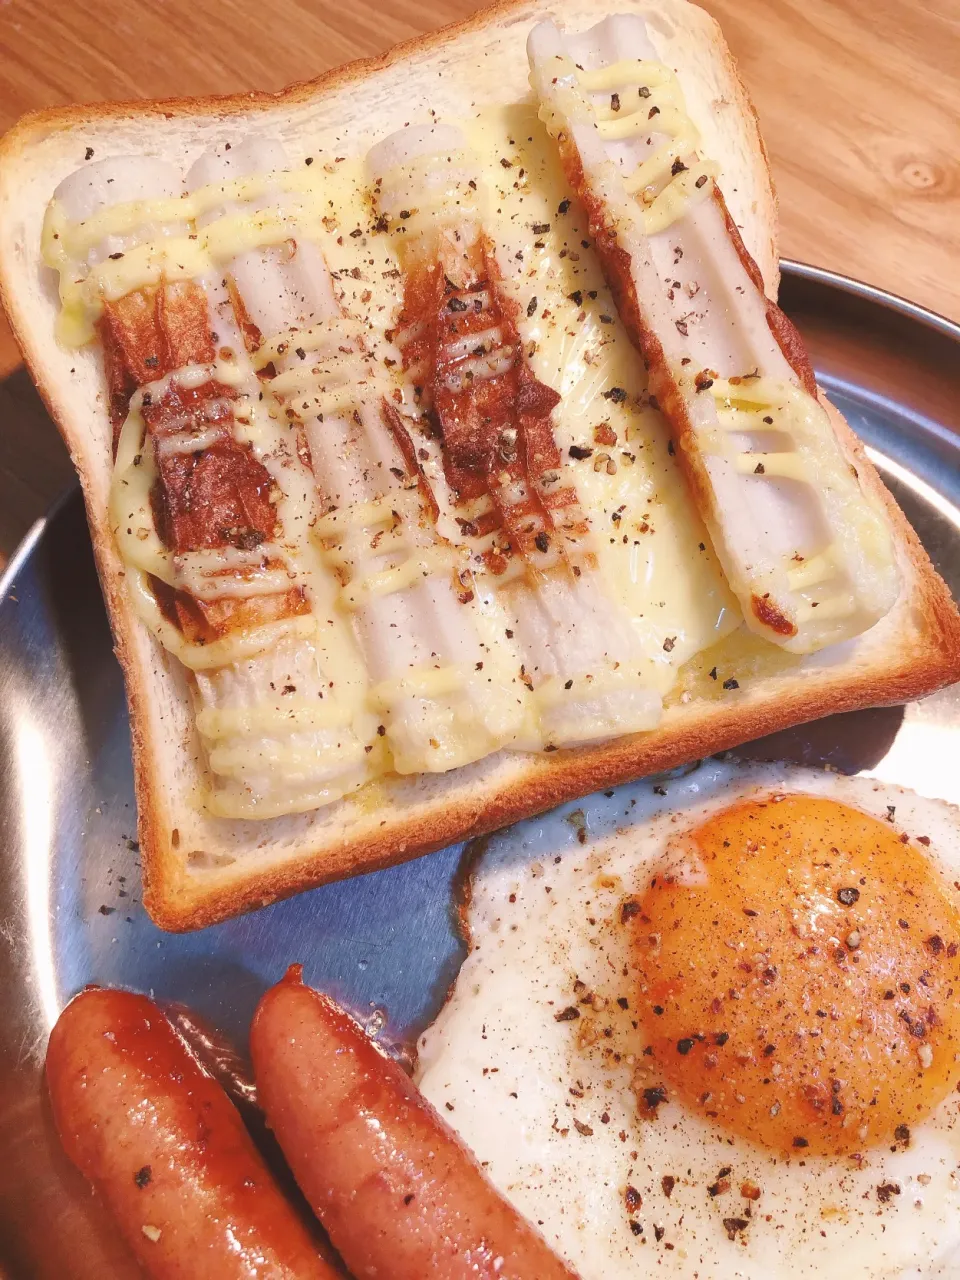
{"points": [[70, 909]]}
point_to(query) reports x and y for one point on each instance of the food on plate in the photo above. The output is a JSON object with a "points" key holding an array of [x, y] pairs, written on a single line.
{"points": [[166, 1150], [396, 1190], [709, 1024], [807, 554], [841, 918], [445, 453], [518, 513]]}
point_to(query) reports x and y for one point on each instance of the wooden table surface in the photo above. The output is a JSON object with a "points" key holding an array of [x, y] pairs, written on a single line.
{"points": [[860, 115]]}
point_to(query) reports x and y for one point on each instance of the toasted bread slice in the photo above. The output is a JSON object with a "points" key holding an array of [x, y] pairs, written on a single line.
{"points": [[199, 869]]}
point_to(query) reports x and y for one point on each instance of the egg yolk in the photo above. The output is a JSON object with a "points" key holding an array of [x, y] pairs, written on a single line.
{"points": [[799, 970]]}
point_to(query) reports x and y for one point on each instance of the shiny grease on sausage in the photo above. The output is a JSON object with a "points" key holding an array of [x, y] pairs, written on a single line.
{"points": [[399, 1194], [167, 1150]]}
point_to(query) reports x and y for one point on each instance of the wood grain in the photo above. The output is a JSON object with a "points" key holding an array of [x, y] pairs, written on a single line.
{"points": [[859, 108]]}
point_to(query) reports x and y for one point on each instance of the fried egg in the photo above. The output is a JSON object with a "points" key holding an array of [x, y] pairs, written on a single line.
{"points": [[708, 1027]]}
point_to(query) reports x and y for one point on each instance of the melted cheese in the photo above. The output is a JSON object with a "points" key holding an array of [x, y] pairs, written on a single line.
{"points": [[385, 581], [666, 194], [66, 246], [228, 722], [653, 552], [326, 338], [644, 99], [129, 508], [218, 653], [427, 682]]}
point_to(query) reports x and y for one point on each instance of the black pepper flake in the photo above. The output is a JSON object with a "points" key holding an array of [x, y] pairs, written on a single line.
{"points": [[669, 643], [934, 943], [731, 683], [633, 1199], [713, 673], [800, 1142], [105, 910], [848, 896], [88, 154], [308, 161], [115, 256], [408, 1199], [721, 1038], [654, 111], [142, 1176], [629, 909], [532, 306], [542, 541], [616, 394], [685, 1045], [659, 1233], [456, 304], [670, 446], [635, 1227], [902, 1133], [381, 729], [576, 297], [507, 164], [886, 1190], [759, 469], [580, 451], [678, 167], [614, 102], [701, 180], [563, 206], [653, 1096], [570, 1014], [541, 228], [734, 1226]]}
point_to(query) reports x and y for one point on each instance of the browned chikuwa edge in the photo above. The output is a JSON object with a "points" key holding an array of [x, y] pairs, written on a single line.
{"points": [[216, 497], [771, 616], [489, 428]]}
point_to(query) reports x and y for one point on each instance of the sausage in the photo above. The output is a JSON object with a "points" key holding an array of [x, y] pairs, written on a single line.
{"points": [[167, 1150], [398, 1193]]}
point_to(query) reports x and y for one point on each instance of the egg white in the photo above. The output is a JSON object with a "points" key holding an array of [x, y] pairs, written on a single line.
{"points": [[547, 1105]]}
